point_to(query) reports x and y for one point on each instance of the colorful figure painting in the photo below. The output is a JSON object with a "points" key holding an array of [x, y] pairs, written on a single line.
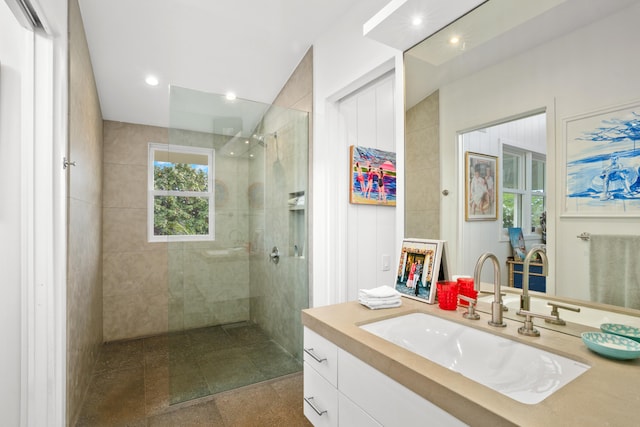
{"points": [[373, 176], [603, 163]]}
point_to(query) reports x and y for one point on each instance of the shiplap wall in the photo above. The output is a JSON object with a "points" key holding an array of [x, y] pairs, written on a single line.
{"points": [[367, 120]]}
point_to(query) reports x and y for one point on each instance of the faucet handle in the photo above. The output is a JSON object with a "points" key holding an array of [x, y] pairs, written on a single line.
{"points": [[471, 311], [554, 312], [527, 328]]}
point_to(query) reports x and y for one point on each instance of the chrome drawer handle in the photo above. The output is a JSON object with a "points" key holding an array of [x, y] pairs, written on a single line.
{"points": [[311, 353], [309, 401]]}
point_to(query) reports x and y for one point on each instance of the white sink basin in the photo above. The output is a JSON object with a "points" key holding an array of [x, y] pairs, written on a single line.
{"points": [[524, 373]]}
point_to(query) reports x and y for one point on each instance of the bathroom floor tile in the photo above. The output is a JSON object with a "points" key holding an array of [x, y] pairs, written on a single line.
{"points": [[114, 397], [202, 414], [205, 377]]}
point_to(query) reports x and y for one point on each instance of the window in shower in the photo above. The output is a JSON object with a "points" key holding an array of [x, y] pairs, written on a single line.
{"points": [[181, 193]]}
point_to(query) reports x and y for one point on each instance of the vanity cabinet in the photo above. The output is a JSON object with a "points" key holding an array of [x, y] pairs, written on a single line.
{"points": [[324, 405], [359, 395]]}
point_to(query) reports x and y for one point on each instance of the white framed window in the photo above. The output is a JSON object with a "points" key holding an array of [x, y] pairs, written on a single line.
{"points": [[180, 193], [523, 189]]}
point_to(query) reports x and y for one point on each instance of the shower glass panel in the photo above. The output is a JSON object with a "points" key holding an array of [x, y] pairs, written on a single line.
{"points": [[234, 185]]}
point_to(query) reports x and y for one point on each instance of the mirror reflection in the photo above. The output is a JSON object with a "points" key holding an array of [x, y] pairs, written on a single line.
{"points": [[515, 80]]}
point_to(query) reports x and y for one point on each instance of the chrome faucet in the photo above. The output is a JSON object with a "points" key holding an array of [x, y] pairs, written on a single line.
{"points": [[496, 305], [525, 299]]}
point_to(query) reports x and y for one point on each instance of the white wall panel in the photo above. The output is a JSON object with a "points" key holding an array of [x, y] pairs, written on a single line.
{"points": [[343, 61], [370, 229], [14, 84]]}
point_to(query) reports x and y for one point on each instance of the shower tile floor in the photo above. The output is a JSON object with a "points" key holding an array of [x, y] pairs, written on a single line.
{"points": [[232, 375]]}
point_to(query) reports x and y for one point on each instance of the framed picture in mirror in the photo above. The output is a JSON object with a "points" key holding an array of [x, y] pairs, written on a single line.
{"points": [[422, 264], [481, 186], [603, 163]]}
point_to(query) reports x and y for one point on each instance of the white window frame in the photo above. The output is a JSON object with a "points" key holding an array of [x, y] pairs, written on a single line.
{"points": [[525, 188], [152, 192]]}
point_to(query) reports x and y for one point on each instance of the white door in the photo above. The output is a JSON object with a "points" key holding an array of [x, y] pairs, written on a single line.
{"points": [[367, 120]]}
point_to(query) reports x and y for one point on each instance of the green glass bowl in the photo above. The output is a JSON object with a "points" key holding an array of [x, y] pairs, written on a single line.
{"points": [[612, 346]]}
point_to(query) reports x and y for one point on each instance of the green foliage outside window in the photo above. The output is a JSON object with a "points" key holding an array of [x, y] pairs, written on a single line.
{"points": [[180, 215], [508, 210]]}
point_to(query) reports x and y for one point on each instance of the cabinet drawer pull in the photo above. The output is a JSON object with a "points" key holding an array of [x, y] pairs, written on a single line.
{"points": [[309, 401], [317, 358]]}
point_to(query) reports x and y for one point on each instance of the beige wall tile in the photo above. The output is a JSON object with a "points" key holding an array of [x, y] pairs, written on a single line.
{"points": [[128, 144], [125, 230], [84, 276], [125, 186], [422, 204]]}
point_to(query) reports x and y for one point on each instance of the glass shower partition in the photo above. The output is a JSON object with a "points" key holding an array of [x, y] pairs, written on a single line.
{"points": [[237, 241]]}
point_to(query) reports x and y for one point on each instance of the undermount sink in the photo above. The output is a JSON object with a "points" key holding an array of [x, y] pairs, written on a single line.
{"points": [[524, 373]]}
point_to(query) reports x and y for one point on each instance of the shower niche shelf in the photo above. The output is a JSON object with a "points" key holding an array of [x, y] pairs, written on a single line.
{"points": [[297, 224]]}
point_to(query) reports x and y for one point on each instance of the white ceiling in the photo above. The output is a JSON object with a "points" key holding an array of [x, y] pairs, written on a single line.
{"points": [[250, 47], [492, 38]]}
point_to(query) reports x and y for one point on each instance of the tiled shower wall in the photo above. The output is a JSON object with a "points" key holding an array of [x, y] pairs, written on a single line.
{"points": [[280, 291], [84, 273], [422, 157], [134, 270], [151, 288]]}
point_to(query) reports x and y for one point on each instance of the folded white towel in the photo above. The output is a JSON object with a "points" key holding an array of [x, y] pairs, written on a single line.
{"points": [[366, 300], [375, 305], [379, 292]]}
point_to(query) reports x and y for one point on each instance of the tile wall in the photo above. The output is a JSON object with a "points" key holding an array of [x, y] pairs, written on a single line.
{"points": [[84, 273], [151, 288], [280, 291], [135, 287], [422, 157]]}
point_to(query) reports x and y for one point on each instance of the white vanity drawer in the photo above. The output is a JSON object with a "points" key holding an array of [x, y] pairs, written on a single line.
{"points": [[351, 414], [322, 355], [387, 401], [320, 399]]}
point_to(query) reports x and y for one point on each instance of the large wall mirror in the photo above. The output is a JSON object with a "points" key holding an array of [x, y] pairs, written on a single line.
{"points": [[521, 81]]}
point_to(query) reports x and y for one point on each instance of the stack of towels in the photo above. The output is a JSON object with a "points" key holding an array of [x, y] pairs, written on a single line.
{"points": [[380, 297]]}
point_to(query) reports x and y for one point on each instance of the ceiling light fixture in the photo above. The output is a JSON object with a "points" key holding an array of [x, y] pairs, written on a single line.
{"points": [[454, 40], [152, 81], [230, 96], [416, 21]]}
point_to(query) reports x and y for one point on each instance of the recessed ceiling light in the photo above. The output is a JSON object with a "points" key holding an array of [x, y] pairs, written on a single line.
{"points": [[416, 21], [152, 81], [454, 40], [230, 96]]}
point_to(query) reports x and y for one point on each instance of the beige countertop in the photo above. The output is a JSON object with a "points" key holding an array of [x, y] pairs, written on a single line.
{"points": [[608, 394]]}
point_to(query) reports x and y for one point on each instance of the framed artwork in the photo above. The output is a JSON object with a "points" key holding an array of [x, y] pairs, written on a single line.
{"points": [[422, 263], [372, 175], [481, 187], [602, 154], [517, 243]]}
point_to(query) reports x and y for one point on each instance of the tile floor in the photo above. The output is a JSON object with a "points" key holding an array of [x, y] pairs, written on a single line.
{"points": [[196, 378]]}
